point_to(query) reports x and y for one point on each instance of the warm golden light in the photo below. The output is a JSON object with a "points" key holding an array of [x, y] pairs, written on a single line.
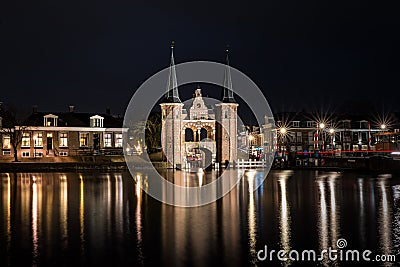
{"points": [[322, 125], [252, 215], [331, 131], [81, 211], [283, 130], [383, 126], [138, 185]]}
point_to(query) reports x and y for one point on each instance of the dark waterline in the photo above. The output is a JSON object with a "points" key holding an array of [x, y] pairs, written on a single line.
{"points": [[69, 219]]}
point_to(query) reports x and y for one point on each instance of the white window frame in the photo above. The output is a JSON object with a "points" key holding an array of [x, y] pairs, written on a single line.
{"points": [[6, 152], [96, 121], [26, 140], [108, 141], [50, 118], [64, 140], [87, 139], [38, 139], [118, 139], [9, 142], [311, 124], [63, 153], [25, 154], [295, 124]]}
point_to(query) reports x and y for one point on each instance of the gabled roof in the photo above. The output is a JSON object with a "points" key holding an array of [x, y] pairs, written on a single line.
{"points": [[73, 119]]}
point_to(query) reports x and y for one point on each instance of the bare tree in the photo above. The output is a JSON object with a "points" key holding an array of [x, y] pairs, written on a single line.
{"points": [[11, 128], [153, 131]]}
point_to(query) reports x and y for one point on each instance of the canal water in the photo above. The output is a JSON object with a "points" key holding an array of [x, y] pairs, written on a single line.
{"points": [[105, 219]]}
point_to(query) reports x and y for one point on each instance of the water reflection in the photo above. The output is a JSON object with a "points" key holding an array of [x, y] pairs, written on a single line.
{"points": [[396, 219], [251, 214], [323, 217], [35, 238], [335, 210], [328, 213], [64, 210], [138, 218], [384, 218], [6, 210], [81, 215], [193, 188], [361, 190], [284, 215], [107, 219]]}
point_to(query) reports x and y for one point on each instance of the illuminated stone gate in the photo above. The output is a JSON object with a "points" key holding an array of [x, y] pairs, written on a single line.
{"points": [[205, 134]]}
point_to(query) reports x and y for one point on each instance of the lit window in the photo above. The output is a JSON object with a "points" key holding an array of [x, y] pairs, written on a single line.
{"points": [[6, 142], [108, 140], [83, 139], [38, 140], [118, 140], [26, 140], [311, 124], [96, 121], [63, 139], [50, 120]]}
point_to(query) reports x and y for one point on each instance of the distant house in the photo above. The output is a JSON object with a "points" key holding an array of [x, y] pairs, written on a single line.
{"points": [[301, 131], [53, 134]]}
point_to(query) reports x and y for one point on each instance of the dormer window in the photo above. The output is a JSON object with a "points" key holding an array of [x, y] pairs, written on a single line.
{"points": [[50, 120], [311, 124], [96, 121]]}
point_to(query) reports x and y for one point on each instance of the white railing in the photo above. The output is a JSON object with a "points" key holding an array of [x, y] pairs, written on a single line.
{"points": [[251, 164]]}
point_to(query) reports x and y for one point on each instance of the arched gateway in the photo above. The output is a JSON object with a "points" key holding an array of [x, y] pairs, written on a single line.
{"points": [[205, 134]]}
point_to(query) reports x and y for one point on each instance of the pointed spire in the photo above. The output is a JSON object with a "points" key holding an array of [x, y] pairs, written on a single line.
{"points": [[228, 90], [172, 94]]}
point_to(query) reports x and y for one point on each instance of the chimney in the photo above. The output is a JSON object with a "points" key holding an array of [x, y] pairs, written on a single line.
{"points": [[108, 111], [34, 109], [71, 109]]}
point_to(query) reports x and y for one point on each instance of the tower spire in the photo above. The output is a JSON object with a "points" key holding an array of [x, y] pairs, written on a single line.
{"points": [[228, 90], [172, 94]]}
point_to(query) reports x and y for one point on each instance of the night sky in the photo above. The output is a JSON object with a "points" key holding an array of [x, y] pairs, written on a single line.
{"points": [[94, 54]]}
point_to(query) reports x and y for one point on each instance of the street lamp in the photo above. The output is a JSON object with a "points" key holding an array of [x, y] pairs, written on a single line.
{"points": [[322, 127], [251, 139], [383, 127], [332, 133], [282, 131]]}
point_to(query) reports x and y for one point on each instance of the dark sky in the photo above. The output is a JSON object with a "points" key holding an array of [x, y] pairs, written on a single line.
{"points": [[94, 54]]}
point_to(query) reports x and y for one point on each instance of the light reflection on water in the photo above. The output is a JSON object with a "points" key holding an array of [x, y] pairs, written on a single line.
{"points": [[251, 215], [384, 218], [396, 220], [80, 219], [285, 220]]}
